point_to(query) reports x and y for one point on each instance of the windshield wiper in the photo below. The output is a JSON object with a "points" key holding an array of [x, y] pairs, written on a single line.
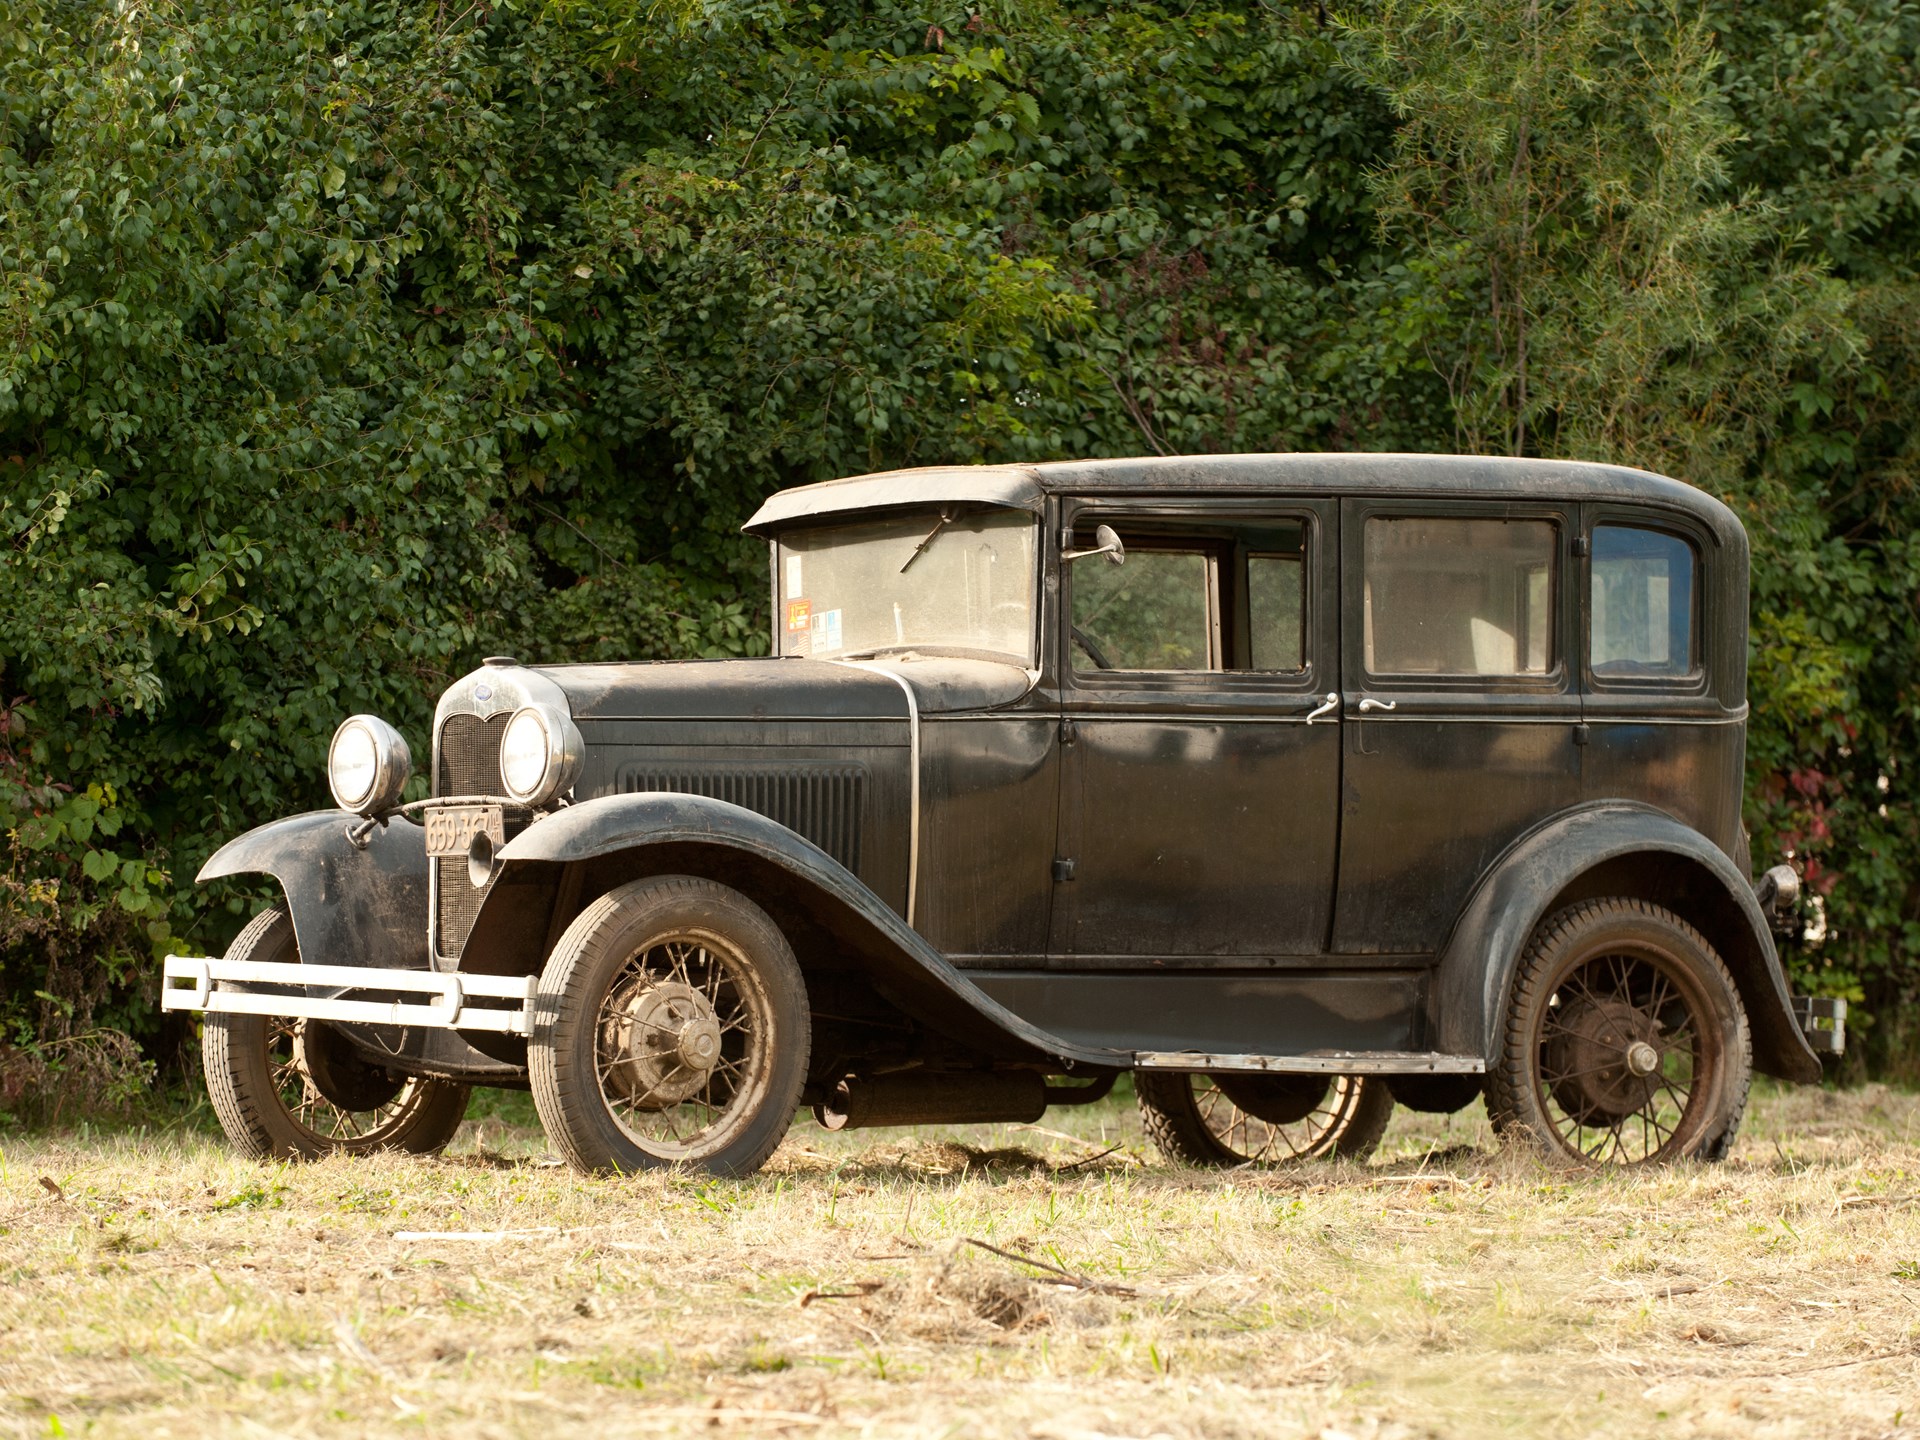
{"points": [[946, 519]]}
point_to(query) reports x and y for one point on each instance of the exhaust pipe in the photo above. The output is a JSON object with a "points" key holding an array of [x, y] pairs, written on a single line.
{"points": [[927, 1097]]}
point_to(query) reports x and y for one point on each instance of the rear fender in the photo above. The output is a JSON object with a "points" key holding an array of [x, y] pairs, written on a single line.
{"points": [[350, 906], [1612, 849], [587, 849]]}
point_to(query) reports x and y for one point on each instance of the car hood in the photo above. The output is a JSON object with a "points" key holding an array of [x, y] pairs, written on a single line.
{"points": [[746, 689]]}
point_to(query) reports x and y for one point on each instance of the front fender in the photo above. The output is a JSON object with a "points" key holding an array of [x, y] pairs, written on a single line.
{"points": [[1545, 870], [623, 836], [349, 906]]}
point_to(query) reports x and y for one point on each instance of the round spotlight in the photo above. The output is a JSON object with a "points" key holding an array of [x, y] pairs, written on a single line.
{"points": [[368, 764], [540, 754]]}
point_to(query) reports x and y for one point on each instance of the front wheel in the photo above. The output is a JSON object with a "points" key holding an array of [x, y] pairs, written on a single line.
{"points": [[1625, 1041], [1262, 1119], [297, 1089], [673, 1030]]}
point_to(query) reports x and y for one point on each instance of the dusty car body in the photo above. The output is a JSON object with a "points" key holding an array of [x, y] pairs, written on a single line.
{"points": [[1293, 784]]}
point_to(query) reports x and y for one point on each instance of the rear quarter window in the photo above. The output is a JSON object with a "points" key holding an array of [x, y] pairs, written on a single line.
{"points": [[1642, 605]]}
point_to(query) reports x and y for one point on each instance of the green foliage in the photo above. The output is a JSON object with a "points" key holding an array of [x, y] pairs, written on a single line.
{"points": [[349, 343]]}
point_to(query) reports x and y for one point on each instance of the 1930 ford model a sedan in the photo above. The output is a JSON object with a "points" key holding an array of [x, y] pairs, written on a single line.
{"points": [[1295, 785]]}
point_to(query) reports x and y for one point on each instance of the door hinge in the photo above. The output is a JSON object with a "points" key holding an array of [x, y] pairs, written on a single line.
{"points": [[1066, 731], [1062, 871], [1582, 733], [1581, 546]]}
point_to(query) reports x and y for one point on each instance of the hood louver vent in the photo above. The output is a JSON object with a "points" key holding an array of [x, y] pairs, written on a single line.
{"points": [[823, 801]]}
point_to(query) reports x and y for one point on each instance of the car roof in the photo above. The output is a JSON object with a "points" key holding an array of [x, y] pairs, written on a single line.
{"points": [[1361, 475]]}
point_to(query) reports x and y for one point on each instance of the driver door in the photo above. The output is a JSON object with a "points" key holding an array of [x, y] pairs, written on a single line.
{"points": [[1199, 787]]}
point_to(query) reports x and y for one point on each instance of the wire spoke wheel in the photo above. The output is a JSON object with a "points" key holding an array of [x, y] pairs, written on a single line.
{"points": [[288, 1088], [1626, 1043], [681, 1044], [1262, 1119], [673, 1032], [293, 1048]]}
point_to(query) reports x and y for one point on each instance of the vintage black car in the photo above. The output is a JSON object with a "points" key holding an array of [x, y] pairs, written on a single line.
{"points": [[1293, 785]]}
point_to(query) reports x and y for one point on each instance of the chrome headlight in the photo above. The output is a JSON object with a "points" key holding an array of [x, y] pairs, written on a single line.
{"points": [[540, 754], [368, 765]]}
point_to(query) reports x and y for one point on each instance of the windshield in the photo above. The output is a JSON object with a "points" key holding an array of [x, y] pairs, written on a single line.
{"points": [[930, 580]]}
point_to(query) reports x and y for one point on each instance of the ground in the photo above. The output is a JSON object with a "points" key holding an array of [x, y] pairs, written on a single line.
{"points": [[156, 1285]]}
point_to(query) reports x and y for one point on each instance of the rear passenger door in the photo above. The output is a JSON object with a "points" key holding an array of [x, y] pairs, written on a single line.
{"points": [[1198, 797], [1461, 713]]}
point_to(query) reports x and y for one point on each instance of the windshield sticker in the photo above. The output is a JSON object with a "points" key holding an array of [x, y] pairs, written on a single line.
{"points": [[799, 616], [794, 587], [826, 630]]}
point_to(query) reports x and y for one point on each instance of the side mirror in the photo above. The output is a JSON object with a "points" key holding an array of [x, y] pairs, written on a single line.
{"points": [[1105, 542]]}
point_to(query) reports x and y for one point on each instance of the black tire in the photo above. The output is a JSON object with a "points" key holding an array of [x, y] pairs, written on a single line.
{"points": [[1624, 1043], [645, 977], [1262, 1119], [288, 1089]]}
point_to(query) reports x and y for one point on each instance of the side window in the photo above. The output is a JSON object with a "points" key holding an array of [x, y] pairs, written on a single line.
{"points": [[1642, 604], [1156, 612], [1446, 595], [1276, 610]]}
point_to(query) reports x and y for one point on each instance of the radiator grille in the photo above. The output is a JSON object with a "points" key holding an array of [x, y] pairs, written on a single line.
{"points": [[459, 904], [470, 755], [822, 801], [469, 765]]}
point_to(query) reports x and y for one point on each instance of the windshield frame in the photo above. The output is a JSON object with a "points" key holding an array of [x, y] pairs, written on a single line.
{"points": [[932, 522]]}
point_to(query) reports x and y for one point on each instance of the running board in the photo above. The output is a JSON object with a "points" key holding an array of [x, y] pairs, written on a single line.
{"points": [[1315, 1062], [281, 989]]}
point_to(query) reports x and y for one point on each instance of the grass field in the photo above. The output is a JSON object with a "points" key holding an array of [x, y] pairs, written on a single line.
{"points": [[153, 1285]]}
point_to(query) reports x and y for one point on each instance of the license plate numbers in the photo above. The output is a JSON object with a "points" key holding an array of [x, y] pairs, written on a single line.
{"points": [[451, 831]]}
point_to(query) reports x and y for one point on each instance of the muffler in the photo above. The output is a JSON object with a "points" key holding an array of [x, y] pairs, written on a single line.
{"points": [[932, 1097]]}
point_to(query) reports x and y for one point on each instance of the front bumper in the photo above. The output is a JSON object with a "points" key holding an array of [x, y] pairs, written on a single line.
{"points": [[1823, 1021], [281, 989]]}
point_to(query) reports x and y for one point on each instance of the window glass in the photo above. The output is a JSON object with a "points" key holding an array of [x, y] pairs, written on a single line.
{"points": [[1276, 605], [1452, 596], [1152, 613], [965, 582], [1642, 604]]}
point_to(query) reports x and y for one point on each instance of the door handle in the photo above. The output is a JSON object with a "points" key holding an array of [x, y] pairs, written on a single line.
{"points": [[1325, 707], [1369, 705]]}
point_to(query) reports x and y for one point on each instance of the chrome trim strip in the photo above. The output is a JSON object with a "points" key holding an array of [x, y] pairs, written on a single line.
{"points": [[913, 765], [1318, 1062]]}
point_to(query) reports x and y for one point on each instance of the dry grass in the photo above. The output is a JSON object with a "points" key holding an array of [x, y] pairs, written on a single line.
{"points": [[166, 1288]]}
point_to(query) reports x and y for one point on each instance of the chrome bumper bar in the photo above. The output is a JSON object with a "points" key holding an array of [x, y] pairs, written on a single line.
{"points": [[189, 983], [1823, 1021]]}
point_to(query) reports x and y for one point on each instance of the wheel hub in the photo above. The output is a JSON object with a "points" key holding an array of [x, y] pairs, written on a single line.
{"points": [[668, 1039], [1275, 1099], [343, 1079], [1603, 1062]]}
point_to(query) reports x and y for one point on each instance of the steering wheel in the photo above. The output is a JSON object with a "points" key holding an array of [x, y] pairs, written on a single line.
{"points": [[1093, 651]]}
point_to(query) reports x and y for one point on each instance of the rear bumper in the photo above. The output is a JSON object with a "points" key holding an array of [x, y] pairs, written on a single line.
{"points": [[351, 993], [1823, 1021]]}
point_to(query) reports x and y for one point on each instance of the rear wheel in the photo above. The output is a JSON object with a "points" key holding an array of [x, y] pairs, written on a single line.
{"points": [[1262, 1119], [297, 1089], [1625, 1041], [674, 1031]]}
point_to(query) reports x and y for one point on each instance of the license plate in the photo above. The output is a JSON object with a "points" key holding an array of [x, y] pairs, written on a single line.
{"points": [[451, 831]]}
